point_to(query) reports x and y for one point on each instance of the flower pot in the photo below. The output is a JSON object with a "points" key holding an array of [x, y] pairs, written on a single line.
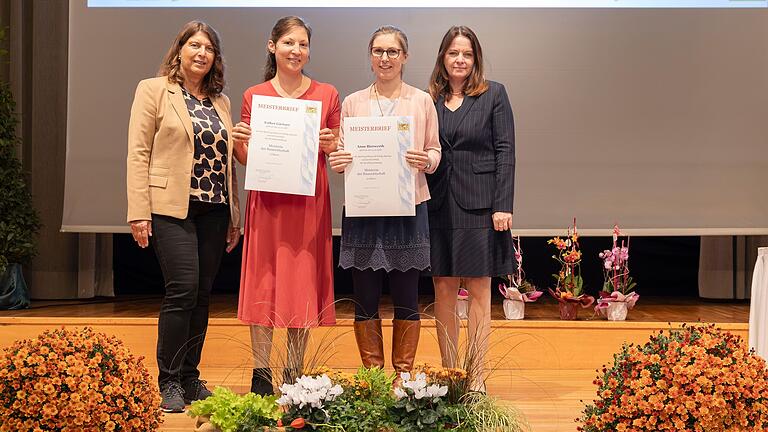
{"points": [[13, 289], [617, 311], [462, 308], [514, 309], [203, 424], [569, 310]]}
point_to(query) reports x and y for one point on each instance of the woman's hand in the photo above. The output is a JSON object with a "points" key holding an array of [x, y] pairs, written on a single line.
{"points": [[502, 221], [141, 231], [241, 134], [418, 159], [233, 237], [339, 160], [328, 141]]}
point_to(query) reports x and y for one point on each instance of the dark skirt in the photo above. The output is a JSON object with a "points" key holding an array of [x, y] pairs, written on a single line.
{"points": [[389, 243], [464, 243]]}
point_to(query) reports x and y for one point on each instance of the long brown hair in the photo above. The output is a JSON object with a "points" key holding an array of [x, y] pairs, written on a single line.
{"points": [[281, 28], [213, 82], [475, 84]]}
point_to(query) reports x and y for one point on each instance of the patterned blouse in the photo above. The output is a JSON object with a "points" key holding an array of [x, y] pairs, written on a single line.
{"points": [[209, 171]]}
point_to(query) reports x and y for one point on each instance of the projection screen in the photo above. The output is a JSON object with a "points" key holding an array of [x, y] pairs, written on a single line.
{"points": [[656, 119]]}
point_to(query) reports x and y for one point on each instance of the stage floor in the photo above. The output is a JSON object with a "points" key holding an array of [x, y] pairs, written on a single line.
{"points": [[649, 309], [543, 366]]}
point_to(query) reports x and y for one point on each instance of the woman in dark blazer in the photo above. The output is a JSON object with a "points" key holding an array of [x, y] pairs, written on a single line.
{"points": [[182, 195], [470, 213]]}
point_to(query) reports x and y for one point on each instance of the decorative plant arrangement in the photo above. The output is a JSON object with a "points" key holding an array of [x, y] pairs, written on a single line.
{"points": [[306, 402], [696, 378], [520, 291], [462, 301], [617, 295], [431, 398], [75, 380], [569, 290], [226, 411], [19, 220], [420, 405]]}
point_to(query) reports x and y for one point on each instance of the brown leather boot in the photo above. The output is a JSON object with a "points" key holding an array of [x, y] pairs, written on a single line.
{"points": [[370, 342], [405, 340]]}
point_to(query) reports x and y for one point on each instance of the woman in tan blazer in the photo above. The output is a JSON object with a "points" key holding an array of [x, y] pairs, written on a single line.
{"points": [[182, 195]]}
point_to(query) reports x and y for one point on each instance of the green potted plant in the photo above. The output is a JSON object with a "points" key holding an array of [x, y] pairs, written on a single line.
{"points": [[19, 221]]}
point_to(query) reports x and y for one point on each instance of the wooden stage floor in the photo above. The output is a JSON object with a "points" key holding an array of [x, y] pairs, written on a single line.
{"points": [[543, 366]]}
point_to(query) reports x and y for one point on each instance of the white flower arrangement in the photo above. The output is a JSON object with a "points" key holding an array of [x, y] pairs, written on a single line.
{"points": [[419, 387], [312, 391]]}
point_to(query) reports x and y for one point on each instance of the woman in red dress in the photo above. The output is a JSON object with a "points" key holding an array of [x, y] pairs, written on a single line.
{"points": [[287, 269]]}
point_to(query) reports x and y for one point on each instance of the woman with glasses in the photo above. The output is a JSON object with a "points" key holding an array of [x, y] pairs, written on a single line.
{"points": [[287, 270], [470, 214], [395, 248]]}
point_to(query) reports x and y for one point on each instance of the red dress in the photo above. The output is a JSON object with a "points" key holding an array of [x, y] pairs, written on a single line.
{"points": [[287, 271]]}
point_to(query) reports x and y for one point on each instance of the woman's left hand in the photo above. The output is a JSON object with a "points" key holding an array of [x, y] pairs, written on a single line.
{"points": [[328, 141], [233, 238], [502, 221], [418, 159]]}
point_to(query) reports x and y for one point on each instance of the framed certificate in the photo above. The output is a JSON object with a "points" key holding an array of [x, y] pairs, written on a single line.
{"points": [[284, 145], [379, 182]]}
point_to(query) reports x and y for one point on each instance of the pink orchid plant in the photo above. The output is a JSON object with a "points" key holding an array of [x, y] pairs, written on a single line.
{"points": [[570, 285], [519, 289], [618, 285]]}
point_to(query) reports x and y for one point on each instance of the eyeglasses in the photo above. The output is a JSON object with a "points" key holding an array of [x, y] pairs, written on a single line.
{"points": [[392, 53]]}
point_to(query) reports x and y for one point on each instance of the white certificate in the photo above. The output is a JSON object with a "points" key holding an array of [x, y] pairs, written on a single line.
{"points": [[283, 150], [379, 182]]}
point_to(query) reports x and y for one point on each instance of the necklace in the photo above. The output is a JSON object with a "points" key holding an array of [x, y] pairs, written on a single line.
{"points": [[376, 92]]}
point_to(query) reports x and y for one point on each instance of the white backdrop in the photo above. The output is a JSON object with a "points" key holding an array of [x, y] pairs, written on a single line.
{"points": [[652, 118]]}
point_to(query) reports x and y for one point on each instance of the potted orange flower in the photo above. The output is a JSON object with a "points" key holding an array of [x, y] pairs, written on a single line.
{"points": [[75, 380], [696, 378], [569, 291]]}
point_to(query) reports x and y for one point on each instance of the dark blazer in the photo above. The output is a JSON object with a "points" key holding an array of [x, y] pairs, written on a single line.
{"points": [[478, 163]]}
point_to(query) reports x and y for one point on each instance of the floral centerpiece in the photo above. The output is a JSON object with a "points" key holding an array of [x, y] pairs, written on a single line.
{"points": [[225, 411], [519, 291], [420, 405], [305, 402], [75, 380], [696, 378], [569, 290], [617, 295]]}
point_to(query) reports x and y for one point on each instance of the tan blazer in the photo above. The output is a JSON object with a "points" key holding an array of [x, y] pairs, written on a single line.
{"points": [[161, 152]]}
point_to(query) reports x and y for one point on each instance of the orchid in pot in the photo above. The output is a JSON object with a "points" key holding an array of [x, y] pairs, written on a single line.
{"points": [[520, 291], [569, 291], [462, 301], [617, 295]]}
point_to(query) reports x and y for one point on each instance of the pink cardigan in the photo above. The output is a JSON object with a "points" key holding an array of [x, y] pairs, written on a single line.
{"points": [[413, 102]]}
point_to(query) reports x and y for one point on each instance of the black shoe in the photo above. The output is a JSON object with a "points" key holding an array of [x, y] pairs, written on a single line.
{"points": [[173, 397], [195, 389], [261, 382]]}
